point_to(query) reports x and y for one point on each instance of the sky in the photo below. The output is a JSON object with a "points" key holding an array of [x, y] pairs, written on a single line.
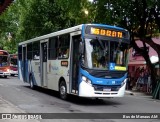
{"points": [[90, 0]]}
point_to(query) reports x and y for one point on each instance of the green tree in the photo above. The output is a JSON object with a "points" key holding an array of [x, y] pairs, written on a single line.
{"points": [[140, 17], [26, 19], [8, 28]]}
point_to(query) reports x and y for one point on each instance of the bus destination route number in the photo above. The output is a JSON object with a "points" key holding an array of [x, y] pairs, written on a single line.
{"points": [[106, 32]]}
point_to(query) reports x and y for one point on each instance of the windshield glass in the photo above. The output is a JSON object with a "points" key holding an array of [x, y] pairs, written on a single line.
{"points": [[118, 53], [3, 61], [13, 62], [101, 53], [96, 53]]}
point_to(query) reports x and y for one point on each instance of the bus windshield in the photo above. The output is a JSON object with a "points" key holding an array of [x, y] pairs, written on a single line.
{"points": [[13, 62], [100, 53], [3, 61]]}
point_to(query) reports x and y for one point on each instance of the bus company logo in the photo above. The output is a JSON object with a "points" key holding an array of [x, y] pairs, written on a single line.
{"points": [[99, 81], [54, 67], [108, 76], [113, 82], [6, 116]]}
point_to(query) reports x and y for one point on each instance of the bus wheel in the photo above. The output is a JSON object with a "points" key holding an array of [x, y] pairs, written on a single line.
{"points": [[31, 82], [63, 90]]}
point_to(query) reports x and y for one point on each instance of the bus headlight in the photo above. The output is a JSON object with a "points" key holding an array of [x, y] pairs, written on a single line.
{"points": [[86, 80], [8, 70]]}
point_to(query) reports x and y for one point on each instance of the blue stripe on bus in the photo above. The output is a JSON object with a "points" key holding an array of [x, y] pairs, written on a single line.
{"points": [[19, 68], [27, 73], [101, 81], [27, 64], [109, 26], [83, 31]]}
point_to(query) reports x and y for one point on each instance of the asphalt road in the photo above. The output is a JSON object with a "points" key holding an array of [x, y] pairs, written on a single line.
{"points": [[47, 101]]}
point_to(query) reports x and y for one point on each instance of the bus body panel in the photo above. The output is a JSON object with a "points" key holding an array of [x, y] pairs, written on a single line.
{"points": [[13, 70], [20, 70], [35, 72], [55, 72], [101, 87], [5, 71], [86, 90], [47, 73]]}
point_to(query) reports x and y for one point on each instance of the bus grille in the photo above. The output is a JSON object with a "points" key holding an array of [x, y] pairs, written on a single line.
{"points": [[105, 88]]}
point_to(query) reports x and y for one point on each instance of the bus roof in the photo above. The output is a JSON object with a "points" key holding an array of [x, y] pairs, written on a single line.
{"points": [[68, 30], [4, 52]]}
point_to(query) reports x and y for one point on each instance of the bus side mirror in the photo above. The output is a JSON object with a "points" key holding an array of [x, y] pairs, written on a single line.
{"points": [[81, 48]]}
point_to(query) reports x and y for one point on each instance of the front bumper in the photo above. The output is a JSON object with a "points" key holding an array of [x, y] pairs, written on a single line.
{"points": [[4, 74], [13, 72], [87, 90]]}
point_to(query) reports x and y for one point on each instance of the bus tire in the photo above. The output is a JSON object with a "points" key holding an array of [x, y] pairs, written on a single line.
{"points": [[31, 82], [63, 90]]}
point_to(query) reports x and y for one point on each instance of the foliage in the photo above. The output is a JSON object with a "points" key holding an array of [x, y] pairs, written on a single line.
{"points": [[140, 17], [26, 19]]}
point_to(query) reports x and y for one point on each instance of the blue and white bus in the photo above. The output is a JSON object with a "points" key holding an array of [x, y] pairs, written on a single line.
{"points": [[88, 60]]}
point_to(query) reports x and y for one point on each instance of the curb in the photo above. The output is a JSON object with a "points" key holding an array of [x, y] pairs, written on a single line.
{"points": [[129, 93]]}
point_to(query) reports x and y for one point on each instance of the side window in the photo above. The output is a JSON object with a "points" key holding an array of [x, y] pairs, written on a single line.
{"points": [[52, 48], [29, 51], [36, 50], [64, 42], [20, 52]]}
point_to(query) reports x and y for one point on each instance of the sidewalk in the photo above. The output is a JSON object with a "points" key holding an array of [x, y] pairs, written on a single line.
{"points": [[7, 107], [136, 93]]}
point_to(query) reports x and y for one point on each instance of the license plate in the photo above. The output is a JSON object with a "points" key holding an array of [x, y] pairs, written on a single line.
{"points": [[107, 89]]}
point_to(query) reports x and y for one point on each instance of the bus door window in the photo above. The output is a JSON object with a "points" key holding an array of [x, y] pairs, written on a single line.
{"points": [[36, 51], [75, 60]]}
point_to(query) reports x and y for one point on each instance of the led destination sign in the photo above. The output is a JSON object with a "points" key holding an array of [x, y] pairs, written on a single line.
{"points": [[107, 32]]}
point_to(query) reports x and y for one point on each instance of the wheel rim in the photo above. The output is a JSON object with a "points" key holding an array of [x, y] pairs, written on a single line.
{"points": [[63, 90], [31, 83]]}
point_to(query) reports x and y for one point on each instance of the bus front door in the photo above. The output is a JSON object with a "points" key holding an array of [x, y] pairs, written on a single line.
{"points": [[43, 64], [74, 63], [24, 67]]}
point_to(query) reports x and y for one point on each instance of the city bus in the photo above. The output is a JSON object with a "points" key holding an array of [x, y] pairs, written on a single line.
{"points": [[13, 64], [4, 63], [88, 60]]}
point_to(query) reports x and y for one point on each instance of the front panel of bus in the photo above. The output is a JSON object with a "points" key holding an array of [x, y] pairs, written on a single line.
{"points": [[103, 71], [4, 63]]}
